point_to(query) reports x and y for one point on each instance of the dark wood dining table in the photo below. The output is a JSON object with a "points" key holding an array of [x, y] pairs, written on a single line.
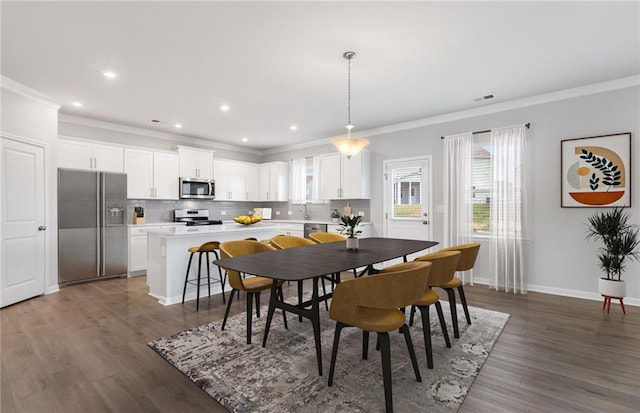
{"points": [[313, 262]]}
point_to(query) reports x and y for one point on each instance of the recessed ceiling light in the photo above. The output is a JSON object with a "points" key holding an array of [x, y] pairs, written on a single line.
{"points": [[224, 108], [245, 139], [77, 104], [110, 74], [293, 127], [178, 125]]}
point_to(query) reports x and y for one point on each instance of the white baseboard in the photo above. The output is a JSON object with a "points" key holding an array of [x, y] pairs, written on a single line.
{"points": [[564, 292]]}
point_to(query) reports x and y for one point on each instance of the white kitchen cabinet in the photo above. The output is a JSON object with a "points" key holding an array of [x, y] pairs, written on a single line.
{"points": [[151, 174], [78, 154], [296, 230], [342, 178], [273, 181], [195, 163], [138, 247], [251, 181], [230, 179]]}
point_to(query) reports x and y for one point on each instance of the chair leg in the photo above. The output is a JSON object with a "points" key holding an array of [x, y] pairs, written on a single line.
{"points": [[226, 313], [443, 325], [426, 330], [257, 295], [186, 278], [334, 352], [385, 352], [463, 301], [299, 298], [222, 279], [365, 345], [249, 315], [454, 312], [414, 361], [198, 284], [413, 311], [324, 292], [208, 273]]}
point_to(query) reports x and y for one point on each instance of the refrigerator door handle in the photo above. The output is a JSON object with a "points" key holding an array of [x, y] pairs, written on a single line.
{"points": [[103, 221]]}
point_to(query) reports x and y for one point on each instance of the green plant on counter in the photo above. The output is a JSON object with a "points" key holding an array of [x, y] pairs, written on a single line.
{"points": [[349, 225], [335, 214]]}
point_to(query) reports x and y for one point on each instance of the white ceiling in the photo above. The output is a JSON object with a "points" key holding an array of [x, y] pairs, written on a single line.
{"points": [[277, 64]]}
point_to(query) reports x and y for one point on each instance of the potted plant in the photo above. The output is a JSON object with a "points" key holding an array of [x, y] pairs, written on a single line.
{"points": [[349, 226], [621, 242], [335, 215]]}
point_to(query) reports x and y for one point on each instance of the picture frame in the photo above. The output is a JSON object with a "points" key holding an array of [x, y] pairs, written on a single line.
{"points": [[596, 171]]}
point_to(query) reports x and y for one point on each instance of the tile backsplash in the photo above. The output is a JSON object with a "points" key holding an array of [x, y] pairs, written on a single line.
{"points": [[162, 210]]}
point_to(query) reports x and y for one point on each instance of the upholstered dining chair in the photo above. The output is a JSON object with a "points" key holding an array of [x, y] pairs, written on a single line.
{"points": [[291, 241], [372, 305], [250, 285], [443, 266], [468, 255], [324, 237]]}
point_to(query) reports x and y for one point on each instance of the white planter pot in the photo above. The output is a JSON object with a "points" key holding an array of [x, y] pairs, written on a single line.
{"points": [[612, 288], [353, 243]]}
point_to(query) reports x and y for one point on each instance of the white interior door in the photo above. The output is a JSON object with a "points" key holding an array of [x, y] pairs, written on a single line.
{"points": [[23, 226], [407, 199]]}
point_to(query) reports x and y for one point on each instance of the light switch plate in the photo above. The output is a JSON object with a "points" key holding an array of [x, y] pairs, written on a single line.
{"points": [[360, 213], [223, 212], [277, 212], [290, 213]]}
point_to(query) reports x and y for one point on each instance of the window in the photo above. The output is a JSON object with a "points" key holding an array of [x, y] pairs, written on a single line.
{"points": [[481, 184], [407, 201]]}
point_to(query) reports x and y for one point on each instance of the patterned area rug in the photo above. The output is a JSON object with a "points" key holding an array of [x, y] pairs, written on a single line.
{"points": [[283, 377]]}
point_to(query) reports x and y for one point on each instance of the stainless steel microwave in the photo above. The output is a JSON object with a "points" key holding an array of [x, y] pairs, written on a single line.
{"points": [[197, 188]]}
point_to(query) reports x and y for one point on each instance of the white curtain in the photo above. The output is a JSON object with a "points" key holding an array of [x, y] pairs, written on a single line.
{"points": [[507, 249], [317, 181], [458, 192], [298, 181]]}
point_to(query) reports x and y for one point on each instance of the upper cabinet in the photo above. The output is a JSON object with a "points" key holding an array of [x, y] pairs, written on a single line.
{"points": [[195, 163], [342, 178], [88, 155], [232, 180], [273, 181], [151, 174]]}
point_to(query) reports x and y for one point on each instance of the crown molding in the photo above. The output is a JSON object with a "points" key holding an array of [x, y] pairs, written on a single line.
{"points": [[170, 137], [623, 83], [27, 92]]}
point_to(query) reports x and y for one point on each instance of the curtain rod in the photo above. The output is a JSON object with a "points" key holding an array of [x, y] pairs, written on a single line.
{"points": [[527, 125]]}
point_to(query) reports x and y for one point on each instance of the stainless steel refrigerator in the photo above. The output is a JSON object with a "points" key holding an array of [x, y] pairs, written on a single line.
{"points": [[92, 233]]}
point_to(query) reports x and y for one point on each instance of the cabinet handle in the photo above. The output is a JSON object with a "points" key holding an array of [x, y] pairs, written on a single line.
{"points": [[246, 196], [95, 163], [151, 190]]}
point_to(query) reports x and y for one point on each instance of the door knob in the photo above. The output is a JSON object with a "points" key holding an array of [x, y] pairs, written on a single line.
{"points": [[42, 228], [425, 222]]}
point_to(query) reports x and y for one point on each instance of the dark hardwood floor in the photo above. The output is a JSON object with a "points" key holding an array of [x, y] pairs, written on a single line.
{"points": [[84, 349]]}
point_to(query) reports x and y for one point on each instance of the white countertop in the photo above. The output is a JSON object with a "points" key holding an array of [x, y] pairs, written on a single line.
{"points": [[308, 221], [180, 231]]}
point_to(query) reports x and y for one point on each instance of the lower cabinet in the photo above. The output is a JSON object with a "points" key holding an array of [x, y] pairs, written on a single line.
{"points": [[296, 230], [138, 248]]}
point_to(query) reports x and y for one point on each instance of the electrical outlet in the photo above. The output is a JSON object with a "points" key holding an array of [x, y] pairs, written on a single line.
{"points": [[277, 212], [360, 213], [223, 212], [290, 213]]}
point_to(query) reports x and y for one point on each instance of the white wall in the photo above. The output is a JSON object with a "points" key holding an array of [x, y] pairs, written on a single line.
{"points": [[34, 119], [560, 261]]}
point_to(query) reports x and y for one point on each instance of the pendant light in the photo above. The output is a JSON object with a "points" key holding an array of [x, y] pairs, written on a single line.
{"points": [[347, 145]]}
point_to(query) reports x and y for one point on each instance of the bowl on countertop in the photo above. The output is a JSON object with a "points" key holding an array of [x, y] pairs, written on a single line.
{"points": [[247, 220]]}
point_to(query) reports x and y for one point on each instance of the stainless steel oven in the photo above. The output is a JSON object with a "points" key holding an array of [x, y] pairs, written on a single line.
{"points": [[197, 188]]}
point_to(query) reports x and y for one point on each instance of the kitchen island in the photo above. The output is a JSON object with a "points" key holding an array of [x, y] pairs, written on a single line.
{"points": [[168, 256]]}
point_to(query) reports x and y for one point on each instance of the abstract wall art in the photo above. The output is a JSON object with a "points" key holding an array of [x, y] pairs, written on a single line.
{"points": [[596, 171]]}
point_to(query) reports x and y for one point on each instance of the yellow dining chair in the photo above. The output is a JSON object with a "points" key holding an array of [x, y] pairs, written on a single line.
{"points": [[372, 305], [250, 285], [468, 255], [325, 237], [291, 241], [443, 266]]}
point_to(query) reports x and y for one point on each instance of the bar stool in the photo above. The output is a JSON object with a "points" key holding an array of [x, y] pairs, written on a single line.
{"points": [[204, 249]]}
